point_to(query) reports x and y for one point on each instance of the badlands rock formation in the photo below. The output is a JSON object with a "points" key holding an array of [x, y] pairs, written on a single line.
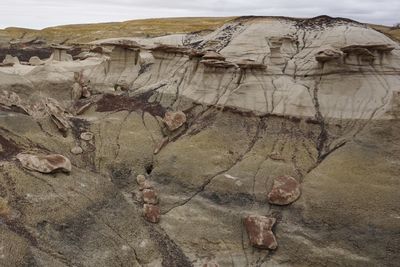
{"points": [[175, 143]]}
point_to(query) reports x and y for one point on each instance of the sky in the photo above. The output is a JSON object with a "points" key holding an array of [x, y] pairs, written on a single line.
{"points": [[39, 14]]}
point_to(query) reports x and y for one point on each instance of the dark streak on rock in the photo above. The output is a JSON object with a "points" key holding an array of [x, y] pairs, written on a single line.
{"points": [[110, 102]]}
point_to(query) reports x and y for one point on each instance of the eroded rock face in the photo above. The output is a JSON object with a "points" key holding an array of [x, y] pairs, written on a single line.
{"points": [[45, 163], [328, 53], [174, 119], [264, 107], [285, 191], [259, 231]]}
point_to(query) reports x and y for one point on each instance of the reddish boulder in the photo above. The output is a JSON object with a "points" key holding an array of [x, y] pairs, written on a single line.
{"points": [[151, 213], [150, 196], [145, 185], [174, 120], [259, 231], [45, 164], [285, 190]]}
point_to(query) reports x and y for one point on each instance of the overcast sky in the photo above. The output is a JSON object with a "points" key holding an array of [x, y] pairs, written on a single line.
{"points": [[44, 13]]}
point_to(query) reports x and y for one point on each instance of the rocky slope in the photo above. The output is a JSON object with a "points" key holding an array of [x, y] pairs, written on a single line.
{"points": [[267, 142]]}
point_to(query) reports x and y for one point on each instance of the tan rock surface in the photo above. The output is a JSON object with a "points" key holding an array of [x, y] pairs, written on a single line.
{"points": [[269, 109]]}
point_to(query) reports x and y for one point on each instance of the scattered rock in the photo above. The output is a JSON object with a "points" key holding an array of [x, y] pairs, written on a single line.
{"points": [[174, 119], [145, 185], [140, 179], [259, 230], [150, 196], [86, 91], [160, 145], [57, 115], [151, 213], [11, 60], [87, 136], [76, 150], [76, 92], [285, 190], [45, 164], [36, 61]]}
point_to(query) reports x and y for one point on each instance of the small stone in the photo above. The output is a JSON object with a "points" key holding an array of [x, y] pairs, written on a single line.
{"points": [[174, 120], [276, 156], [151, 213], [145, 185], [259, 231], [161, 144], [86, 92], [150, 196], [45, 164], [76, 92], [36, 61], [76, 150], [285, 190], [87, 136], [140, 179]]}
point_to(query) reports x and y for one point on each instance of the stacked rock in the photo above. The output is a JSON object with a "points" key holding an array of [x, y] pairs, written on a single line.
{"points": [[151, 210]]}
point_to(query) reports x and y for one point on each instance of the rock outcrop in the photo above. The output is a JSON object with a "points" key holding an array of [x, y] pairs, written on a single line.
{"points": [[214, 126]]}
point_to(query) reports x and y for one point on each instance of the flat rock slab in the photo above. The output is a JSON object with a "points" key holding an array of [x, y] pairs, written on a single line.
{"points": [[285, 191], [45, 163], [259, 230]]}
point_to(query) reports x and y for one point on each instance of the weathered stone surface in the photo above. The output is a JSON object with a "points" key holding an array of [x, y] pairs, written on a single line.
{"points": [[285, 191], [151, 213], [213, 55], [259, 231], [174, 119], [45, 163]]}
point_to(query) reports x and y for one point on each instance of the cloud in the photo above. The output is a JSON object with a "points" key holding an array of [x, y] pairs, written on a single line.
{"points": [[44, 13]]}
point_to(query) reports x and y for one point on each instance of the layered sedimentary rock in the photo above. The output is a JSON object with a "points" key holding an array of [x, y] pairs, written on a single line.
{"points": [[181, 137]]}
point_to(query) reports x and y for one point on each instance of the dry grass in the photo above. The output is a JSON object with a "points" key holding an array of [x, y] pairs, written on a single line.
{"points": [[82, 33], [392, 32]]}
